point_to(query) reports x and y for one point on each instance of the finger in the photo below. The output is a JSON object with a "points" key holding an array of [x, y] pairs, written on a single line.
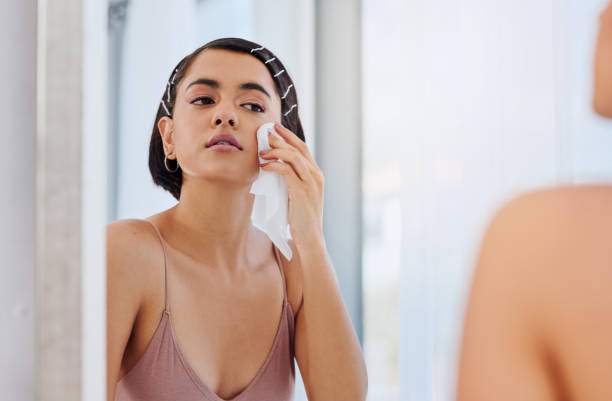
{"points": [[292, 157], [293, 140], [289, 175], [277, 143]]}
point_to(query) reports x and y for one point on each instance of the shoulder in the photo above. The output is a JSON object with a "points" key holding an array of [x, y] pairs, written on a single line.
{"points": [[132, 280], [124, 228], [133, 250], [545, 259], [129, 238], [567, 202], [551, 228], [562, 218], [292, 269], [541, 284]]}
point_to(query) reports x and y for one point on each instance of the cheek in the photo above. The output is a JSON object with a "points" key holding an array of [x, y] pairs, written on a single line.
{"points": [[278, 115], [188, 138], [252, 144], [273, 113]]}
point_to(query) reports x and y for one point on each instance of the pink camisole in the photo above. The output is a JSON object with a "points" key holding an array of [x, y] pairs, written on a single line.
{"points": [[163, 374]]}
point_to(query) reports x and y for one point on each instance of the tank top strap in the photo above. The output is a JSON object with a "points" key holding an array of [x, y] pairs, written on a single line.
{"points": [[161, 239], [282, 272]]}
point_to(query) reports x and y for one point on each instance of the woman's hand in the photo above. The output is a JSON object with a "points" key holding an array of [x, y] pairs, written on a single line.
{"points": [[326, 346], [305, 183]]}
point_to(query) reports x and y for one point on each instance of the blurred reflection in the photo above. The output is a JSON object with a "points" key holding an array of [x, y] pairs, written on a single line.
{"points": [[538, 320], [486, 100]]}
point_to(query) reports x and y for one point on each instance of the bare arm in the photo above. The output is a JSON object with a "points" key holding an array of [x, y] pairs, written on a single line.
{"points": [[326, 346], [123, 299]]}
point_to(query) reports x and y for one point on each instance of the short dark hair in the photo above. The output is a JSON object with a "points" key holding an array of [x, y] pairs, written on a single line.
{"points": [[285, 88]]}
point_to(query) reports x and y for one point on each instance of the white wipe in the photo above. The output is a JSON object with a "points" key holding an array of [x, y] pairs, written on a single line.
{"points": [[271, 206]]}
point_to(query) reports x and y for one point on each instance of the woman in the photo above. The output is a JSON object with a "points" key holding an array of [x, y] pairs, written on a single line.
{"points": [[539, 319], [200, 304]]}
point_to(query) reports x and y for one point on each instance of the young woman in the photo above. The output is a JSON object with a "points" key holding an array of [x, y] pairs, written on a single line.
{"points": [[201, 306], [539, 319]]}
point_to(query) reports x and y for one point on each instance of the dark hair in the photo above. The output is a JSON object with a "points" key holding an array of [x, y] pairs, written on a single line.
{"points": [[285, 88]]}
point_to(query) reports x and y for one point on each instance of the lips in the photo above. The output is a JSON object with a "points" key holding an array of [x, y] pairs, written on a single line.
{"points": [[229, 138]]}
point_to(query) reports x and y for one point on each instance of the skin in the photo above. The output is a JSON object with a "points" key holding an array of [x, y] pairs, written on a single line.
{"points": [[602, 88], [538, 321], [223, 280]]}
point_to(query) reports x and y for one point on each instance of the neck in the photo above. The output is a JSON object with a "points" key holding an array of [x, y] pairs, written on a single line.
{"points": [[213, 220]]}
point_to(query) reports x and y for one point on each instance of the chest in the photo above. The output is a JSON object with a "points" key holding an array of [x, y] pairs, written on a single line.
{"points": [[224, 329]]}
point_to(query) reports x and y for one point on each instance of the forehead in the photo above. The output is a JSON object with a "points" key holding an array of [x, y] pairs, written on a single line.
{"points": [[230, 69]]}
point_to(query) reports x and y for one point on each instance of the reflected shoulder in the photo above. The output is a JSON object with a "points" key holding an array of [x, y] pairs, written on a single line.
{"points": [[134, 252], [540, 292], [548, 253], [554, 214]]}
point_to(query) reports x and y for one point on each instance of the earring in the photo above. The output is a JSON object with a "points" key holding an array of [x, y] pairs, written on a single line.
{"points": [[166, 164]]}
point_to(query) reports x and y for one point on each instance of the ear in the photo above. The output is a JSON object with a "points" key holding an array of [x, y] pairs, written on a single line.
{"points": [[166, 131]]}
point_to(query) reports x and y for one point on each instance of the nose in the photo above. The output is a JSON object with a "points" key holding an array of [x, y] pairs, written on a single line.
{"points": [[219, 121], [225, 118]]}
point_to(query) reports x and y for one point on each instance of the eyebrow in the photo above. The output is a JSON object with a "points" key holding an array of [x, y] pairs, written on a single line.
{"points": [[215, 84]]}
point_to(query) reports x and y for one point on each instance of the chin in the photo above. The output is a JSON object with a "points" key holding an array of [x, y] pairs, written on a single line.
{"points": [[230, 174]]}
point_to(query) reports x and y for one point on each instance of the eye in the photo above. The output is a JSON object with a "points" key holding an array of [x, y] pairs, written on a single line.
{"points": [[255, 107], [203, 100]]}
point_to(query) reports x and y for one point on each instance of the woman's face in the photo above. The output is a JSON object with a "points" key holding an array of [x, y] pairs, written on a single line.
{"points": [[602, 97], [221, 92]]}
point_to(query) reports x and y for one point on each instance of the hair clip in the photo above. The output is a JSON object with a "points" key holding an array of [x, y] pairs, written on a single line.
{"points": [[170, 83], [287, 92], [278, 73], [270, 60], [259, 48], [165, 108], [292, 107]]}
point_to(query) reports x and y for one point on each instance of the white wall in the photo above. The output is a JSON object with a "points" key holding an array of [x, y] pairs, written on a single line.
{"points": [[17, 202], [94, 200]]}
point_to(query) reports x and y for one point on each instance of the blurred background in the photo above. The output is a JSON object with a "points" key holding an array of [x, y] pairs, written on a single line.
{"points": [[425, 117]]}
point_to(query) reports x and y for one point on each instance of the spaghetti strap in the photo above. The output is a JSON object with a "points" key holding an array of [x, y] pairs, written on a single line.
{"points": [[161, 239], [280, 267]]}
